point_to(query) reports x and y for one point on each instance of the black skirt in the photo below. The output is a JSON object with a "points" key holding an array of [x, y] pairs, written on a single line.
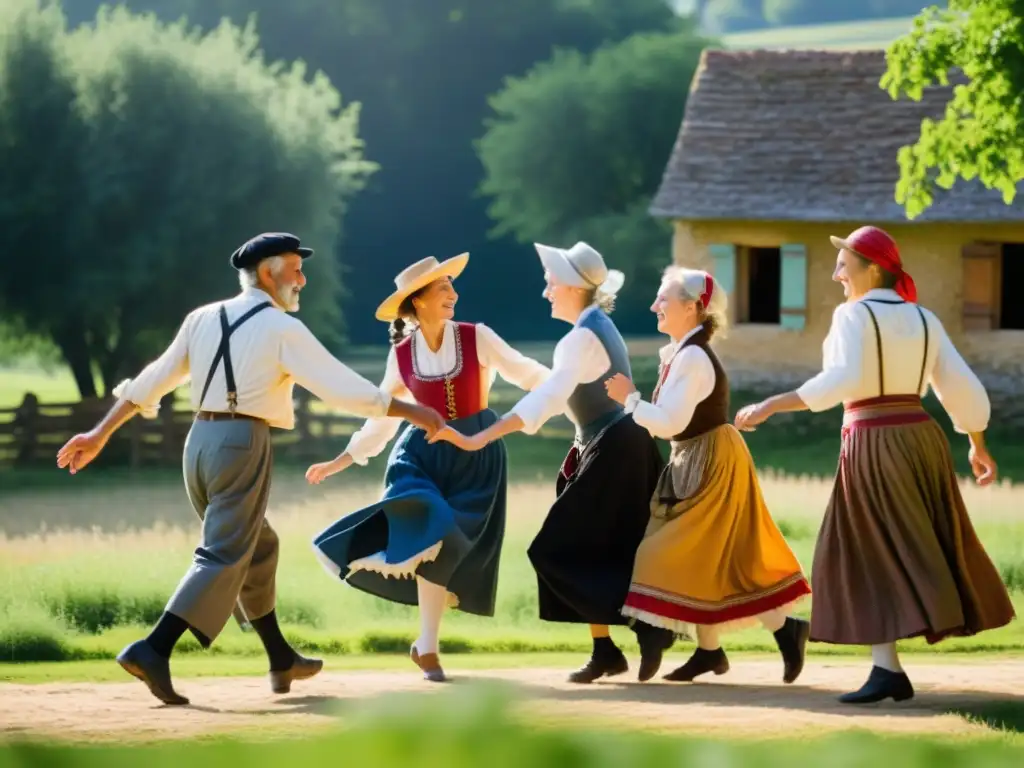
{"points": [[584, 552]]}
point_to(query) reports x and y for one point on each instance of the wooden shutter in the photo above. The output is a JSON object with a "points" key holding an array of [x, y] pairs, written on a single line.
{"points": [[723, 267], [982, 276], [793, 287]]}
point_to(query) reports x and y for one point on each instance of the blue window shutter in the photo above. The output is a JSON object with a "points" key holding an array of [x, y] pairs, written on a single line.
{"points": [[723, 266], [793, 290]]}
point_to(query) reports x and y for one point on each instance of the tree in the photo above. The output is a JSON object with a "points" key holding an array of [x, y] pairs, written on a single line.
{"points": [[423, 71], [136, 156], [578, 146], [981, 134]]}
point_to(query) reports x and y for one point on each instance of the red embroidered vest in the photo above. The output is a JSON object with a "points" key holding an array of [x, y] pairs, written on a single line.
{"points": [[456, 394]]}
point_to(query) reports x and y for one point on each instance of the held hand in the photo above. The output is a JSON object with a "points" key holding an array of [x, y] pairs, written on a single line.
{"points": [[750, 416], [619, 387], [427, 419], [982, 465], [317, 473], [78, 452]]}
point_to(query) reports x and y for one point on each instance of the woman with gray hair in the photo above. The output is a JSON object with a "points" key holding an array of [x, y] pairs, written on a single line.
{"points": [[713, 556], [583, 554]]}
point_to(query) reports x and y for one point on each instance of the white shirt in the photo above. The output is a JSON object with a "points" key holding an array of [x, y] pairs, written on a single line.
{"points": [[689, 381], [579, 358], [850, 370], [494, 355], [270, 353]]}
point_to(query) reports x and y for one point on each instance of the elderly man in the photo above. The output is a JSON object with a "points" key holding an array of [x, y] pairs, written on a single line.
{"points": [[250, 353]]}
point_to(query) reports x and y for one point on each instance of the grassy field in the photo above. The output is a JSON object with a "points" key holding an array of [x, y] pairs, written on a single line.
{"points": [[851, 35], [85, 571]]}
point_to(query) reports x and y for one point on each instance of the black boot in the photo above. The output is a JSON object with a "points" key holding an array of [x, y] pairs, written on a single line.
{"points": [[791, 638], [700, 663], [654, 641], [882, 684], [606, 661]]}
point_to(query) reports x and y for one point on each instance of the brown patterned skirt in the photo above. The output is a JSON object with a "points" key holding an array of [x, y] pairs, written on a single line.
{"points": [[897, 556]]}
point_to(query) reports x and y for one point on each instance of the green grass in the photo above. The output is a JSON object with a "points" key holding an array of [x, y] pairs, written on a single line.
{"points": [[479, 725], [851, 35], [84, 573]]}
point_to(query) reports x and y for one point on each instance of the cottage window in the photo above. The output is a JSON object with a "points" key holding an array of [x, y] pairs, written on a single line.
{"points": [[766, 285], [991, 273]]}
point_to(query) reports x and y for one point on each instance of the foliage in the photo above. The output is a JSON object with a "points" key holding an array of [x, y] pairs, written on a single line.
{"points": [[739, 15], [578, 146], [422, 71], [981, 134], [136, 157]]}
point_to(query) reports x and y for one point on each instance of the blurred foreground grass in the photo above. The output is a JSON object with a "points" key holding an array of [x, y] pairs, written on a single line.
{"points": [[476, 726]]}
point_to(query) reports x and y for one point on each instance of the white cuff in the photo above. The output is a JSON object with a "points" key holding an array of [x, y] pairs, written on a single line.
{"points": [[147, 412], [632, 401]]}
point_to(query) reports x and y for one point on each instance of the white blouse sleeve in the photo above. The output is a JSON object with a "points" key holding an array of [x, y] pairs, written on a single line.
{"points": [[516, 368], [958, 388], [690, 380], [579, 358], [376, 433], [842, 363]]}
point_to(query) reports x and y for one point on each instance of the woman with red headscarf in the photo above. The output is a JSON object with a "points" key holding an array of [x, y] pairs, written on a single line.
{"points": [[897, 556], [712, 559]]}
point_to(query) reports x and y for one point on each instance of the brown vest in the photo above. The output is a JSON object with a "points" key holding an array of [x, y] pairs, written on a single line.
{"points": [[712, 411]]}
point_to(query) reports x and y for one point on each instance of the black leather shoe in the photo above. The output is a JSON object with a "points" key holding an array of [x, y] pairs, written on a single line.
{"points": [[141, 661], [301, 669], [700, 663], [792, 641], [882, 684], [601, 665], [654, 641]]}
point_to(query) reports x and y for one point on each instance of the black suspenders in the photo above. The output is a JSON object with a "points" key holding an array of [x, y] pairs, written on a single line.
{"points": [[878, 340], [224, 352]]}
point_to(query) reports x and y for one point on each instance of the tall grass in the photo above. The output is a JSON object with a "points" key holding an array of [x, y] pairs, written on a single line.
{"points": [[85, 586]]}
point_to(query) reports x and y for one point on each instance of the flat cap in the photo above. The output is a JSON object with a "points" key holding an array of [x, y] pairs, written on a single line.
{"points": [[266, 245]]}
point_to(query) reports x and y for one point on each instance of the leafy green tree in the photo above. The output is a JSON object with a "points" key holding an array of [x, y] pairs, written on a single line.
{"points": [[578, 146], [423, 71], [981, 135], [136, 156]]}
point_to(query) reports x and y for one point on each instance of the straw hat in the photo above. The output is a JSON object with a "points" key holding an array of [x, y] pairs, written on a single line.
{"points": [[419, 275]]}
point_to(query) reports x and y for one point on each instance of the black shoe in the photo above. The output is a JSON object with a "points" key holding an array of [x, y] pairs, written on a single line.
{"points": [[700, 663], [301, 669], [654, 641], [792, 641], [141, 661], [882, 684], [601, 664]]}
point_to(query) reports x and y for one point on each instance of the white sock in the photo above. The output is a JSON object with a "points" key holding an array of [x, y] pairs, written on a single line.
{"points": [[432, 600], [707, 638], [884, 656], [773, 621]]}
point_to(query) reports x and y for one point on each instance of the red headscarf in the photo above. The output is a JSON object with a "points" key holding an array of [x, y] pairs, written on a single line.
{"points": [[878, 247]]}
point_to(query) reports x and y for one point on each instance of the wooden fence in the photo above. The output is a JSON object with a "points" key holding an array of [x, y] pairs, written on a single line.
{"points": [[31, 433]]}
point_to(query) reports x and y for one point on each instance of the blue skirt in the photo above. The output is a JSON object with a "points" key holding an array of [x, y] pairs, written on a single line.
{"points": [[442, 517]]}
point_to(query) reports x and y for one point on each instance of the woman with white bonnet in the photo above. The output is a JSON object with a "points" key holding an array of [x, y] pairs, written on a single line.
{"points": [[435, 537], [713, 557], [897, 556], [583, 554]]}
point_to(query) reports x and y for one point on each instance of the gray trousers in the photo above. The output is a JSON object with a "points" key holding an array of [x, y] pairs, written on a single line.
{"points": [[227, 475]]}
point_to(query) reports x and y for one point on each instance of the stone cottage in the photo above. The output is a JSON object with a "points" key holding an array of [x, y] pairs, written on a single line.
{"points": [[780, 149]]}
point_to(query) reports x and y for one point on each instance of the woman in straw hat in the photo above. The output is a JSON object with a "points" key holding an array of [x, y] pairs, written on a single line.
{"points": [[713, 556], [897, 556], [583, 554], [435, 537]]}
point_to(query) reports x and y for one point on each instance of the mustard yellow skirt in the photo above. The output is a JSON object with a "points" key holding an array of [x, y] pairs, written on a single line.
{"points": [[712, 554]]}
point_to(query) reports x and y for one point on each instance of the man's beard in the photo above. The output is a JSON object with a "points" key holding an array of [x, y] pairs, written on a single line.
{"points": [[289, 297]]}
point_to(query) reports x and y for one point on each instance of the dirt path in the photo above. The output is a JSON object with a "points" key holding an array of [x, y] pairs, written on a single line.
{"points": [[749, 701]]}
